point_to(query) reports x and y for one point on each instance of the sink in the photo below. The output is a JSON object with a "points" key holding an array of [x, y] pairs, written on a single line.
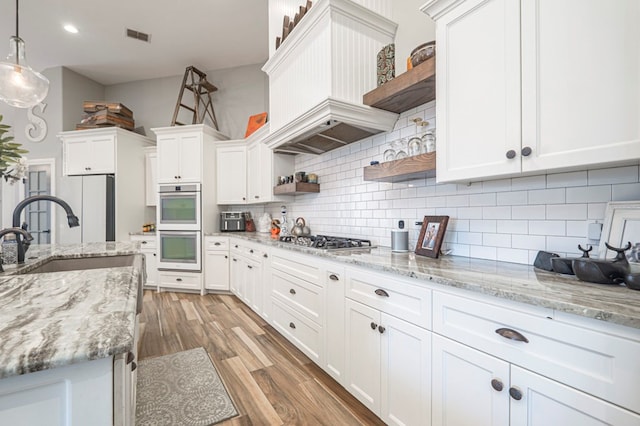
{"points": [[79, 263]]}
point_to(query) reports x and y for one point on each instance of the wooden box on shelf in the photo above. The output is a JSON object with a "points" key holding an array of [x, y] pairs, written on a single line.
{"points": [[295, 188], [410, 89], [416, 167]]}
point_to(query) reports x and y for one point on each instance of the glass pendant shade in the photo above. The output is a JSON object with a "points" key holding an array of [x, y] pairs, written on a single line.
{"points": [[21, 86]]}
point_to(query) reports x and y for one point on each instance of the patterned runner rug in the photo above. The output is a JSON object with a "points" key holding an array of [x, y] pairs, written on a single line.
{"points": [[181, 389]]}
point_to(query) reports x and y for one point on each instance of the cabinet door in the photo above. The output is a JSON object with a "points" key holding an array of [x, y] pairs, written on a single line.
{"points": [[405, 372], [478, 86], [237, 272], [231, 171], [362, 345], [253, 286], [151, 262], [334, 323], [90, 156], [168, 159], [151, 175], [549, 403], [190, 157], [216, 271], [254, 171], [579, 110], [462, 389]]}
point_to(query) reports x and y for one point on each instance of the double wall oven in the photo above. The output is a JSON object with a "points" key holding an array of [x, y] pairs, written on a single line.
{"points": [[179, 227]]}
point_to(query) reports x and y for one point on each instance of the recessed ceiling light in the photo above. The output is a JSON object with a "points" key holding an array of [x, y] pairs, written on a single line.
{"points": [[71, 29]]}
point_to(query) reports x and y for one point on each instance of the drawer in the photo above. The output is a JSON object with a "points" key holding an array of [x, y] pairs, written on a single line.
{"points": [[301, 295], [600, 363], [147, 242], [303, 333], [394, 296], [303, 267], [216, 243], [180, 280]]}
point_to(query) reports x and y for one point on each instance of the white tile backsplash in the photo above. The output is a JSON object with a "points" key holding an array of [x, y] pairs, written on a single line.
{"points": [[503, 219]]}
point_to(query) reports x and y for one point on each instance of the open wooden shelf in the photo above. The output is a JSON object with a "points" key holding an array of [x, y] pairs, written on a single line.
{"points": [[410, 89], [296, 188], [416, 167]]}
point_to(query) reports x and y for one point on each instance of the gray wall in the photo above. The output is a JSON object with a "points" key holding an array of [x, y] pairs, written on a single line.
{"points": [[242, 92]]}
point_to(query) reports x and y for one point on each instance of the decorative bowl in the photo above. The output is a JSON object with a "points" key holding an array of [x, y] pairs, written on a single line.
{"points": [[422, 53]]}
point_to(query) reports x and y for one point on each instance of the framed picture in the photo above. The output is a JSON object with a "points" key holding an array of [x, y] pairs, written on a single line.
{"points": [[621, 226], [255, 122], [431, 235]]}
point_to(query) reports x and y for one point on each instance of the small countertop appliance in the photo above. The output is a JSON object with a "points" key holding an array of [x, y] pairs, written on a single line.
{"points": [[232, 221]]}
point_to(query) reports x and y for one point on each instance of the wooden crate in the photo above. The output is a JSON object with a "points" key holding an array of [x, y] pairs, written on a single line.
{"points": [[105, 117], [113, 107]]}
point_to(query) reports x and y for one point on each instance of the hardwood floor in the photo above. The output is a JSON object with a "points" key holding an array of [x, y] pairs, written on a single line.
{"points": [[270, 381]]}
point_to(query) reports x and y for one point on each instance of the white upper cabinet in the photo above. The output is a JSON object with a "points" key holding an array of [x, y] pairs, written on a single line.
{"points": [[231, 158], [89, 154], [533, 85], [182, 151]]}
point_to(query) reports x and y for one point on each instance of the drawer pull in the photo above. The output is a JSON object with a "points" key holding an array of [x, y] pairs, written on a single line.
{"points": [[249, 266], [292, 325], [265, 255], [236, 246], [512, 334], [515, 393], [251, 251], [381, 292], [381, 329], [374, 325], [292, 291], [179, 279], [334, 277], [235, 260], [143, 242], [216, 244], [497, 385]]}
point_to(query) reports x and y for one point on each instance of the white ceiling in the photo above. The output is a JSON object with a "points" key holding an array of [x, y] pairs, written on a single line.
{"points": [[209, 34]]}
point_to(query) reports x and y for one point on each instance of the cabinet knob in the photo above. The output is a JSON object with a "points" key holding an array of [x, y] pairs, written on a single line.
{"points": [[244, 199], [87, 168], [143, 242], [381, 292], [515, 393], [497, 385], [511, 154], [508, 333], [235, 260], [154, 254], [526, 151], [292, 325], [265, 255], [133, 366], [334, 277], [179, 279], [374, 325], [226, 257], [251, 251], [256, 196], [249, 266], [381, 329], [236, 246], [292, 291]]}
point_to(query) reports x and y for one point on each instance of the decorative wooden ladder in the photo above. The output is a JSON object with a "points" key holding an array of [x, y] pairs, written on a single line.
{"points": [[196, 81]]}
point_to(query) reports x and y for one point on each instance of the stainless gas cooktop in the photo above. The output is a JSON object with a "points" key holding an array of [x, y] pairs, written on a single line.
{"points": [[327, 242]]}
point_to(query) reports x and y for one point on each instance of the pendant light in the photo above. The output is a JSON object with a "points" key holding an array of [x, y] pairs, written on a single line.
{"points": [[20, 86]]}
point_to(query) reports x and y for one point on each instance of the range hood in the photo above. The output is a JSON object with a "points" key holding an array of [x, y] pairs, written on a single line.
{"points": [[318, 75], [331, 124]]}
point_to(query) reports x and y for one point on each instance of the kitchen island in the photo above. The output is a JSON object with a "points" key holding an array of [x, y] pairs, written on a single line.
{"points": [[65, 337]]}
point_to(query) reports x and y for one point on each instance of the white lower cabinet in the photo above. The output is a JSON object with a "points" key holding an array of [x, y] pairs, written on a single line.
{"points": [[495, 392], [334, 326], [216, 264], [247, 279], [388, 365], [148, 248], [178, 280]]}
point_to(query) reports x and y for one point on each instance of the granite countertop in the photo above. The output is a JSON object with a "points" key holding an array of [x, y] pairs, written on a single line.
{"points": [[54, 319], [520, 283]]}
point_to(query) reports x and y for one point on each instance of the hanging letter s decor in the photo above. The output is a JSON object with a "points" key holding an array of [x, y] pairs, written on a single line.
{"points": [[36, 130]]}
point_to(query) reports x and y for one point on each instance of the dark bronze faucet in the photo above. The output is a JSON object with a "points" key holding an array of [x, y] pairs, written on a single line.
{"points": [[23, 246], [17, 231]]}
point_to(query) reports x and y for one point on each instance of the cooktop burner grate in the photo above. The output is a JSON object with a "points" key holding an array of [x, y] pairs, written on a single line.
{"points": [[328, 242]]}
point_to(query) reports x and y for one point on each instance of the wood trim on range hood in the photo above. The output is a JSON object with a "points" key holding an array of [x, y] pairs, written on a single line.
{"points": [[331, 124]]}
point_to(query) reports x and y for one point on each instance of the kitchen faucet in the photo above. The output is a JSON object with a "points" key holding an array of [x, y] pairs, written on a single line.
{"points": [[17, 231], [23, 246]]}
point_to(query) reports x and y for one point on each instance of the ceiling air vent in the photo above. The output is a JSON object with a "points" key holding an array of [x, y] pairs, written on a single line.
{"points": [[138, 35]]}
